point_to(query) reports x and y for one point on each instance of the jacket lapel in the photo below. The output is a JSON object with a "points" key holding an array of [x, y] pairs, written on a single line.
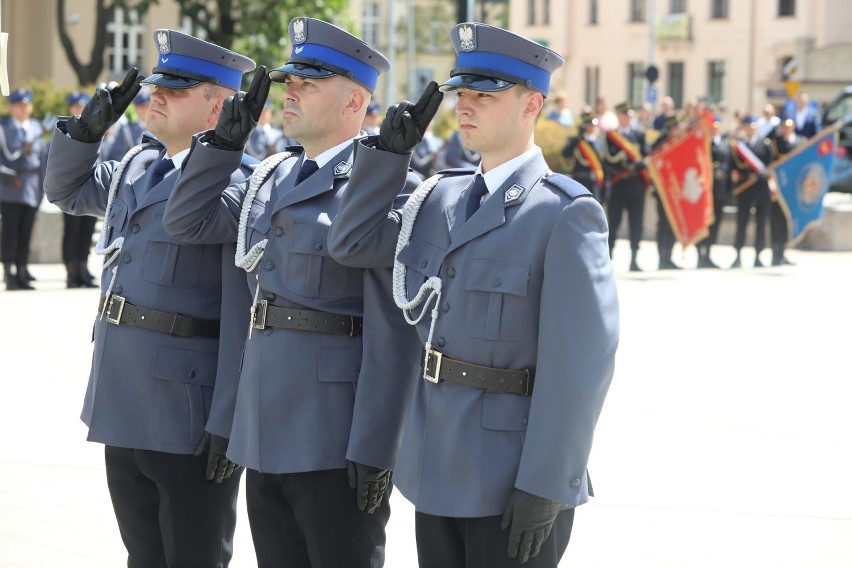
{"points": [[319, 183]]}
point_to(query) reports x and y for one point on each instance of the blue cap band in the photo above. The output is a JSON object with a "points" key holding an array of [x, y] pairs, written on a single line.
{"points": [[361, 72], [217, 73], [504, 65]]}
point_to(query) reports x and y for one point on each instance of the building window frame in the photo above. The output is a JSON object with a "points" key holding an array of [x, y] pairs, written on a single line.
{"points": [[786, 8], [593, 12], [677, 6], [126, 35], [676, 80], [371, 22], [637, 11], [636, 82], [592, 83], [715, 81], [719, 10]]}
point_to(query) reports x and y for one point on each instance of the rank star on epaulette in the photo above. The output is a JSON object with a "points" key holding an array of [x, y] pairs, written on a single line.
{"points": [[342, 168], [512, 193], [163, 43], [300, 34]]}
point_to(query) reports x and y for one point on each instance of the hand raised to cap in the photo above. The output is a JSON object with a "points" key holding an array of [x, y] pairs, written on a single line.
{"points": [[240, 113], [105, 108], [404, 124]]}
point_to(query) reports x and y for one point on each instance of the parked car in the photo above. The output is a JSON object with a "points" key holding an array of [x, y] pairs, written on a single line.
{"points": [[839, 107]]}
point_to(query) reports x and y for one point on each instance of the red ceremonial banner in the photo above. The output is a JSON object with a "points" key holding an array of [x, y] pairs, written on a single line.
{"points": [[682, 171]]}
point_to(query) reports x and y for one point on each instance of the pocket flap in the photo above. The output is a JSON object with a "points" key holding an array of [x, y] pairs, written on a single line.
{"points": [[498, 277], [310, 239], [422, 257], [184, 365], [506, 412]]}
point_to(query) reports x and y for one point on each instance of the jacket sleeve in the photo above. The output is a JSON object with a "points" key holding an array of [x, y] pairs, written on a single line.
{"points": [[204, 207]]}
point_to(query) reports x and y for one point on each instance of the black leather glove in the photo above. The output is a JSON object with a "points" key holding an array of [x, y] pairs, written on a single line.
{"points": [[404, 124], [219, 468], [105, 108], [240, 114], [529, 519], [370, 484]]}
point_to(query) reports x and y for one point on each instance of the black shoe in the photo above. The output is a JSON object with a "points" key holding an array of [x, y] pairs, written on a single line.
{"points": [[757, 263], [668, 265], [786, 262], [634, 267], [737, 263], [705, 262]]}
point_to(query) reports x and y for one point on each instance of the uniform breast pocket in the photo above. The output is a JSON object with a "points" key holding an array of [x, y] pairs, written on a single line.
{"points": [[311, 271], [171, 264], [496, 303], [259, 222], [116, 220], [422, 260]]}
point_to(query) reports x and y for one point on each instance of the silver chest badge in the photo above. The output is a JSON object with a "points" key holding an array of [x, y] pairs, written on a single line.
{"points": [[300, 34], [163, 43], [342, 168], [512, 193], [467, 38]]}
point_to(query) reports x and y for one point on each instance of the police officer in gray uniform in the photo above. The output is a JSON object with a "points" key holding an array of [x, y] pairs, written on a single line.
{"points": [[515, 303], [155, 367], [20, 186], [322, 391]]}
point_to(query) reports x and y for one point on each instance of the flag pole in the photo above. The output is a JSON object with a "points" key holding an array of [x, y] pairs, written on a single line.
{"points": [[4, 71]]}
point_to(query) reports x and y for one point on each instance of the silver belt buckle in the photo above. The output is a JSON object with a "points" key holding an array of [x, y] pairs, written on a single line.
{"points": [[435, 377], [258, 314], [113, 300]]}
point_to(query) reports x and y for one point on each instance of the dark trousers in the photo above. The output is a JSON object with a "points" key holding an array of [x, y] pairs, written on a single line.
{"points": [[758, 196], [169, 515], [628, 195], [310, 520], [77, 233], [778, 233], [448, 542], [18, 221], [713, 230], [665, 234]]}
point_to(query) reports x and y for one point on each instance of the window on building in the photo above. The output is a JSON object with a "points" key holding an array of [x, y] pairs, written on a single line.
{"points": [[637, 10], [592, 86], [531, 12], [125, 38], [370, 23], [545, 9], [715, 81], [676, 81], [719, 9], [786, 8], [635, 83], [677, 7], [593, 11]]}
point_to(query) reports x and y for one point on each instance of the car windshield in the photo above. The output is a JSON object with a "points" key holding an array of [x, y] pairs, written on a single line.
{"points": [[843, 108]]}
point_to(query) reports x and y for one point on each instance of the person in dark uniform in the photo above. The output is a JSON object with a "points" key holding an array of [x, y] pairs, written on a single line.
{"points": [[20, 187], [424, 158], [665, 235], [129, 134], [515, 258], [455, 155], [720, 151], [749, 156], [158, 358], [783, 140], [582, 161], [323, 388], [77, 230], [263, 139], [623, 151]]}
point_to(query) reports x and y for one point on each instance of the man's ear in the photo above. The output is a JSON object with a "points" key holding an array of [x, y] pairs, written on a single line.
{"points": [[357, 103], [535, 102], [215, 111]]}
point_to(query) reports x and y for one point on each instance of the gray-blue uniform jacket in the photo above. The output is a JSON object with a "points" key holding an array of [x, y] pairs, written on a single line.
{"points": [[147, 389], [306, 401], [526, 284], [25, 186]]}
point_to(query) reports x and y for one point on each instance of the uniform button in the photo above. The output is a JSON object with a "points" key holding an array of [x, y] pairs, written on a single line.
{"points": [[252, 218], [135, 228], [318, 246], [451, 272], [424, 264], [279, 232], [575, 483], [118, 289], [267, 332], [497, 282], [446, 307], [440, 342], [112, 215], [126, 258], [270, 297], [191, 374], [269, 265]]}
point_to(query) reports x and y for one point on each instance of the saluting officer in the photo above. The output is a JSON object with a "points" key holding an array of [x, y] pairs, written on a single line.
{"points": [[521, 339], [320, 398], [623, 151], [582, 161], [157, 331], [720, 151], [783, 140]]}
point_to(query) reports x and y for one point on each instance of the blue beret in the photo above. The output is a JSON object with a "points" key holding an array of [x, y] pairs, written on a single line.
{"points": [[748, 120], [185, 61], [321, 50], [77, 97], [21, 95], [493, 59]]}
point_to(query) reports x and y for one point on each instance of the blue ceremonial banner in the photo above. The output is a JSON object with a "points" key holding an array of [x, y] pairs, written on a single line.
{"points": [[802, 178]]}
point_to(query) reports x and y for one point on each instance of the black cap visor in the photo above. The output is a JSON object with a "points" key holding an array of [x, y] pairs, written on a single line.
{"points": [[300, 69], [475, 83], [169, 81]]}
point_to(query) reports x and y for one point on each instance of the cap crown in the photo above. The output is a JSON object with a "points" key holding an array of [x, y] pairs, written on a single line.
{"points": [[185, 61]]}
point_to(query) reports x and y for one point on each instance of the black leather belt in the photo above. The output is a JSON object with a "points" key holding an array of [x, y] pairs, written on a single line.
{"points": [[118, 311], [264, 314], [438, 367]]}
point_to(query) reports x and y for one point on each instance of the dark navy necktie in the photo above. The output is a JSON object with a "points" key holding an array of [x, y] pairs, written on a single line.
{"points": [[308, 168], [474, 197], [162, 167]]}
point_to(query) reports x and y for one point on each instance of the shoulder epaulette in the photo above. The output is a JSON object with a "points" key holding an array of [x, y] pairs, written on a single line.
{"points": [[458, 172], [567, 185]]}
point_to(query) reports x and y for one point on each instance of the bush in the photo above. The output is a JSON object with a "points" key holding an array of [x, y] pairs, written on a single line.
{"points": [[47, 101], [551, 137]]}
